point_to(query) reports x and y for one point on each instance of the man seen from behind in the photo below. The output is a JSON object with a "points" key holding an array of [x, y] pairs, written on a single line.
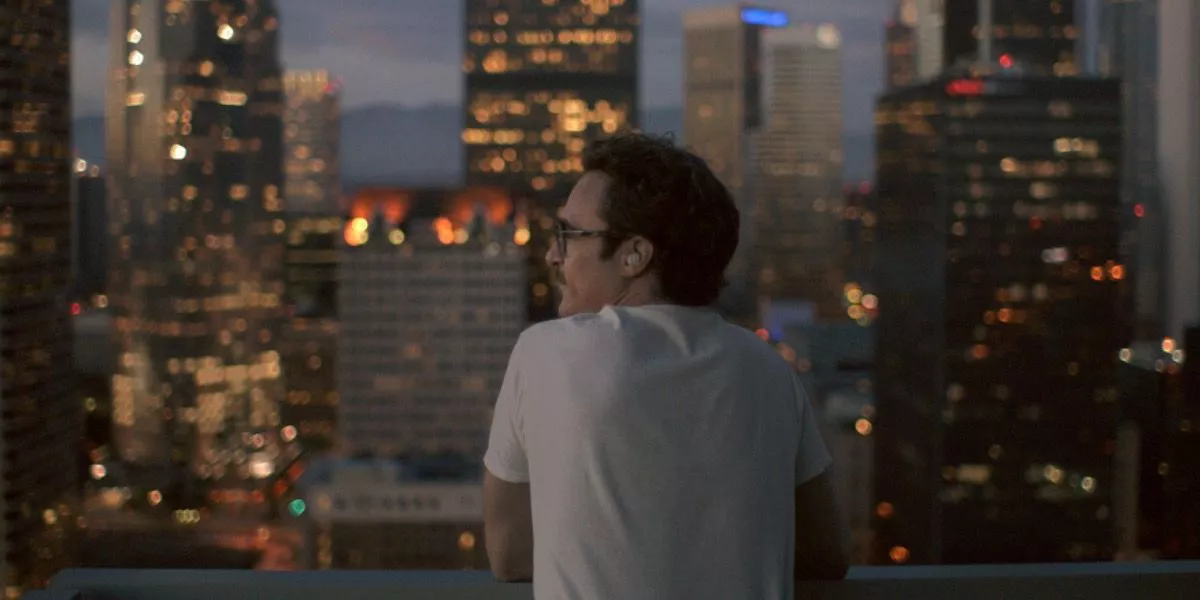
{"points": [[643, 447]]}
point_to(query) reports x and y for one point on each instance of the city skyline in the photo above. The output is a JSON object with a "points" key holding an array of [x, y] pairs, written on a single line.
{"points": [[280, 359], [410, 55]]}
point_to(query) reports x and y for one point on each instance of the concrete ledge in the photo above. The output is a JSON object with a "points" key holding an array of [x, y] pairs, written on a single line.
{"points": [[1092, 581]]}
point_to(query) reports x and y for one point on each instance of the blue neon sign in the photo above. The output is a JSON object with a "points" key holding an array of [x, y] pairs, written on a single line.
{"points": [[764, 17]]}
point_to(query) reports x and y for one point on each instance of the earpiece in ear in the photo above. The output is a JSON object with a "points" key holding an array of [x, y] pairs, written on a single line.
{"points": [[633, 259]]}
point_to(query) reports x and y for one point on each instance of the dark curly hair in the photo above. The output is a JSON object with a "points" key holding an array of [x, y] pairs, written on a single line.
{"points": [[670, 197]]}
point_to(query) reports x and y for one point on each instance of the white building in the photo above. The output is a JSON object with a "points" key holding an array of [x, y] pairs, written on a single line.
{"points": [[1179, 158], [928, 19], [379, 514], [431, 300]]}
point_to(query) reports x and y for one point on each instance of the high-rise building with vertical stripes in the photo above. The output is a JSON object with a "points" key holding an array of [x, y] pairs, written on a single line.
{"points": [[195, 136]]}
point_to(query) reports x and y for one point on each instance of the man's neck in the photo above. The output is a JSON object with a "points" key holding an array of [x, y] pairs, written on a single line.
{"points": [[639, 293]]}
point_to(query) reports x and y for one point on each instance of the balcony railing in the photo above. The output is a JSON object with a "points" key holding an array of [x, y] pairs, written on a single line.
{"points": [[1096, 581]]}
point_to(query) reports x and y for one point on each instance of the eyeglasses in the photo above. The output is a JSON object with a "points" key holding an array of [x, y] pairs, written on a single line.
{"points": [[563, 232]]}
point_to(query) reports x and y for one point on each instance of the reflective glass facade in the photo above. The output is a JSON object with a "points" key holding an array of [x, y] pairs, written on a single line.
{"points": [[42, 422], [1002, 314], [195, 135], [544, 77]]}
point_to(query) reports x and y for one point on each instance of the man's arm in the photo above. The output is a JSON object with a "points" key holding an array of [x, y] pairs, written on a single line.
{"points": [[508, 528], [821, 541]]}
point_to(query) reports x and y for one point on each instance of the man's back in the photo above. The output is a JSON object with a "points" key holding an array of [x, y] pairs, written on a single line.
{"points": [[663, 447]]}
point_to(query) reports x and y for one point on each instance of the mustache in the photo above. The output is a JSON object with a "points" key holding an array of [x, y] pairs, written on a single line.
{"points": [[558, 277]]}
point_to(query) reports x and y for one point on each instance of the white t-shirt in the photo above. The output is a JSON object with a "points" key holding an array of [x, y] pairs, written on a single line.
{"points": [[662, 446]]}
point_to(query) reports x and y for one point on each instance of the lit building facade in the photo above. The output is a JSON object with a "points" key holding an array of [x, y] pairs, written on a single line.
{"points": [[542, 80], [900, 46], [723, 111], [380, 515], [796, 182], [195, 135], [1036, 36], [1001, 319], [42, 420], [90, 232], [1179, 160], [431, 292], [312, 142], [312, 132], [1128, 50]]}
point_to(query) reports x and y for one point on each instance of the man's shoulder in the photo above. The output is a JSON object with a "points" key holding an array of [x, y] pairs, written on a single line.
{"points": [[565, 331]]}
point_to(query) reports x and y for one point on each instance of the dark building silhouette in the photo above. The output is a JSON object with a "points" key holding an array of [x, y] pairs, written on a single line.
{"points": [[542, 80], [1001, 319], [1036, 36], [1182, 473], [1128, 50], [42, 421], [1157, 512], [90, 233]]}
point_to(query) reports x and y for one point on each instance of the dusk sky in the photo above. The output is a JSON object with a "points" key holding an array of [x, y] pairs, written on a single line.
{"points": [[407, 52]]}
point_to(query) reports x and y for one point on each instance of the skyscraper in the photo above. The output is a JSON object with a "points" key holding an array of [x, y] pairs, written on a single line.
{"points": [[431, 292], [543, 79], [722, 104], [900, 46], [42, 421], [195, 135], [1179, 159], [314, 227], [1128, 50], [1037, 37], [1001, 319], [796, 177]]}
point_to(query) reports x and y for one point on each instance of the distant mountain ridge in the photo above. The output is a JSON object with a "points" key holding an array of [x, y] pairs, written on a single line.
{"points": [[399, 145]]}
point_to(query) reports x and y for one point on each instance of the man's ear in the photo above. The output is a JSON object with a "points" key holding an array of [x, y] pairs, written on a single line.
{"points": [[637, 254]]}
